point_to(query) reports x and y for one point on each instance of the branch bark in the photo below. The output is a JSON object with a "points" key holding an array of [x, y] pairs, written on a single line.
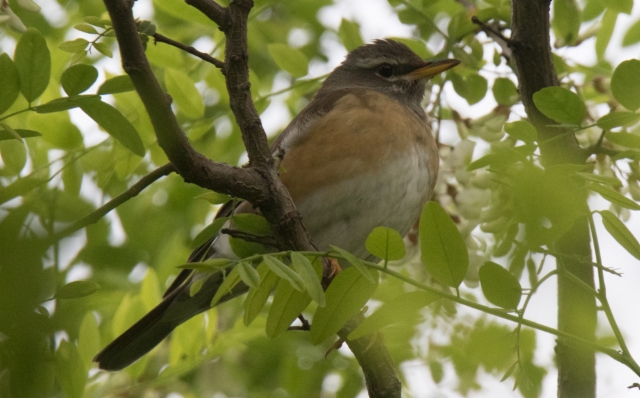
{"points": [[530, 43]]}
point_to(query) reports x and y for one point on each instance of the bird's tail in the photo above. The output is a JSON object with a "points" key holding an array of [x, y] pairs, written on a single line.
{"points": [[139, 339]]}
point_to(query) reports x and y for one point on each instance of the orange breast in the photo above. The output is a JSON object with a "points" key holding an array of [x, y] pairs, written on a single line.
{"points": [[363, 132]]}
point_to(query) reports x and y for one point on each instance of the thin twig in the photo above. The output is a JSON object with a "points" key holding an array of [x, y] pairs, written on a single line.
{"points": [[496, 35], [213, 11], [132, 192], [203, 56]]}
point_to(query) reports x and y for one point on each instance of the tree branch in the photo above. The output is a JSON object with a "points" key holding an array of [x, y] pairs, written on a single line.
{"points": [[530, 43], [203, 56], [213, 11], [132, 192]]}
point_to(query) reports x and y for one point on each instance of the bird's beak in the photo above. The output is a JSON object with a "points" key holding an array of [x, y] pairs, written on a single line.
{"points": [[432, 68]]}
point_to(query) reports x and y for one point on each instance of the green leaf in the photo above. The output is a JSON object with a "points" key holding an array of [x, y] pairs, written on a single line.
{"points": [[444, 253], [604, 33], [65, 103], [560, 104], [617, 119], [183, 91], [623, 6], [88, 339], [118, 84], [355, 261], [287, 304], [284, 272], [621, 233], [78, 78], [632, 36], [208, 231], [406, 306], [503, 158], [248, 274], [499, 286], [231, 280], [74, 46], [103, 48], [566, 20], [6, 135], [86, 28], [349, 33], [9, 83], [505, 91], [613, 181], [33, 61], [310, 275], [614, 197], [347, 294], [95, 21], [21, 187], [114, 123], [70, 370], [291, 60], [625, 85], [214, 198], [625, 139], [386, 244], [476, 88], [252, 223], [522, 130], [77, 289], [9, 130], [257, 297]]}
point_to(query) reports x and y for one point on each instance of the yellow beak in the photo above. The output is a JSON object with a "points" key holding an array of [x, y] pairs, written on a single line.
{"points": [[433, 68]]}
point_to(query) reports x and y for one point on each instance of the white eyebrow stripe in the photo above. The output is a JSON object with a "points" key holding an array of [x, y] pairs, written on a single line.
{"points": [[371, 62]]}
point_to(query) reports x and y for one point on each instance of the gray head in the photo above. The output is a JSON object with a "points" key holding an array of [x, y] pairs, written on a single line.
{"points": [[387, 66]]}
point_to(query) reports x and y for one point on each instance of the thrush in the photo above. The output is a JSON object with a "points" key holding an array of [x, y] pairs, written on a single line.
{"points": [[358, 156]]}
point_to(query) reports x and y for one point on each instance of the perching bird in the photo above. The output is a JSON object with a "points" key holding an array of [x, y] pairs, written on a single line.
{"points": [[359, 155]]}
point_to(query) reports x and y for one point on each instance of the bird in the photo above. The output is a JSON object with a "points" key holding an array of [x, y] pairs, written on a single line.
{"points": [[360, 155]]}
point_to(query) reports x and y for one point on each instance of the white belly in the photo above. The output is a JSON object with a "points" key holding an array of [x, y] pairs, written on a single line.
{"points": [[343, 214]]}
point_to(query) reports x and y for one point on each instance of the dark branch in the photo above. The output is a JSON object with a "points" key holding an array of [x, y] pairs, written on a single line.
{"points": [[496, 35], [132, 192], [203, 56], [213, 11]]}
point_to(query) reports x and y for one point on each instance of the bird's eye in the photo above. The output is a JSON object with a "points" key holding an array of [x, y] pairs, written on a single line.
{"points": [[385, 70]]}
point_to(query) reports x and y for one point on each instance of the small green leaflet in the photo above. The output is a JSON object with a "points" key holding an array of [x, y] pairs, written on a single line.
{"points": [[522, 130], [560, 104], [231, 280], [214, 198], [33, 61], [625, 139], [248, 274], [251, 223], [310, 275], [74, 46], [183, 91], [118, 84], [289, 59], [287, 304], [614, 197], [65, 103], [400, 308], [620, 233], [505, 91], [347, 294], [444, 253], [613, 181], [386, 244], [617, 119], [22, 133], [625, 86], [349, 33], [77, 289], [256, 298], [499, 286], [284, 272], [9, 82], [355, 261], [70, 370], [114, 123], [78, 78]]}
